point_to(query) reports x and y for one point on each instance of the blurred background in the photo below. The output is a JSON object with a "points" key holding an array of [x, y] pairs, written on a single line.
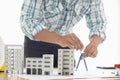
{"points": [[109, 51]]}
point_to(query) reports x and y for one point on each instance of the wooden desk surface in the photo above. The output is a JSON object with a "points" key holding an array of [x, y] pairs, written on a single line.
{"points": [[12, 77], [9, 77]]}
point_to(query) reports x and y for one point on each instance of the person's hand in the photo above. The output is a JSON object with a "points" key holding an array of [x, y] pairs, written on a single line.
{"points": [[91, 49], [71, 41]]}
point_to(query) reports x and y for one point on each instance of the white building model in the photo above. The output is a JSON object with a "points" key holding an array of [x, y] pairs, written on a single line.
{"points": [[1, 54], [14, 59], [65, 62], [40, 66]]}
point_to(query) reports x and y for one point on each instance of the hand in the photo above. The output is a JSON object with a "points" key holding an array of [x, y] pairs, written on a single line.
{"points": [[71, 41], [91, 49]]}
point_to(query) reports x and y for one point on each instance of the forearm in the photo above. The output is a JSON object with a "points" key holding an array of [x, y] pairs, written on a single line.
{"points": [[96, 40], [47, 36], [91, 49], [71, 41]]}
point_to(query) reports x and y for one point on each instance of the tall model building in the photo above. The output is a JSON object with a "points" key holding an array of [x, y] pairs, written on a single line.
{"points": [[40, 66], [1, 55], [14, 59], [65, 62]]}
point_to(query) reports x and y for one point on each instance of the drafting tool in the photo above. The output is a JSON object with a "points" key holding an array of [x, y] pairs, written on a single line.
{"points": [[80, 58]]}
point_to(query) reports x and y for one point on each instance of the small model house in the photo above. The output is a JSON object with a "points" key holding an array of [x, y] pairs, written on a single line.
{"points": [[40, 66], [65, 62]]}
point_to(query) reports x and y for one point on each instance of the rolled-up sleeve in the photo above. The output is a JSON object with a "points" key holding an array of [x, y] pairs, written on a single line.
{"points": [[31, 18], [96, 20]]}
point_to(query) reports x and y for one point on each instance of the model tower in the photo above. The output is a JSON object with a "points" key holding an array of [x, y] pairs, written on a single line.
{"points": [[65, 62], [14, 59]]}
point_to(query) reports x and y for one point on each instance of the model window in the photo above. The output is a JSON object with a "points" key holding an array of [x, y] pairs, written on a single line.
{"points": [[39, 71], [39, 65], [59, 73], [47, 61], [66, 55], [34, 61], [33, 71], [28, 65], [39, 61], [47, 73], [28, 61], [28, 71], [65, 59], [66, 68], [66, 51], [71, 73], [34, 65], [47, 57], [47, 66]]}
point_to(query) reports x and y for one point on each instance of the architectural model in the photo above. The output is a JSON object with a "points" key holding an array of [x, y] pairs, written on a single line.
{"points": [[1, 55], [40, 66], [14, 62], [65, 62], [14, 59]]}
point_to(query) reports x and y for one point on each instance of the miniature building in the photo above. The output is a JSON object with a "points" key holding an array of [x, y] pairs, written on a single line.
{"points": [[40, 66], [65, 62], [48, 64], [14, 59], [34, 65], [1, 55]]}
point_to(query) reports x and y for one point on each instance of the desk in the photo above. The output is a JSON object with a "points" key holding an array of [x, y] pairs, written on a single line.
{"points": [[107, 78], [8, 77]]}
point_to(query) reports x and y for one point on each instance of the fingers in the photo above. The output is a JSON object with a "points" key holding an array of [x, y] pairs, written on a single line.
{"points": [[73, 40], [64, 43], [77, 42], [90, 51], [69, 45]]}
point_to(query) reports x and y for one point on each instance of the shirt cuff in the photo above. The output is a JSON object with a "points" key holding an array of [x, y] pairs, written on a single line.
{"points": [[98, 33], [34, 31]]}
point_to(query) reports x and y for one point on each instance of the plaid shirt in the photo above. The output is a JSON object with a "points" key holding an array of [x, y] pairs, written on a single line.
{"points": [[61, 15]]}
